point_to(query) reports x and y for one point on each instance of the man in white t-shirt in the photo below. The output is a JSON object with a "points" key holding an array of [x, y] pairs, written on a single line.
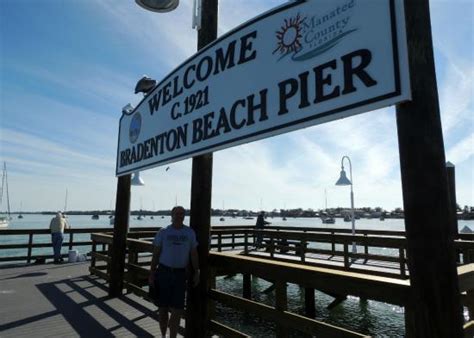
{"points": [[173, 246]]}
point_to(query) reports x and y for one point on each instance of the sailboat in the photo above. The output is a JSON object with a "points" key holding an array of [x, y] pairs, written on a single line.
{"points": [[326, 218], [4, 219]]}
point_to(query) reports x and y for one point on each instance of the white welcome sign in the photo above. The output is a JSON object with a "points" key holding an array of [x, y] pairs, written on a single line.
{"points": [[298, 65]]}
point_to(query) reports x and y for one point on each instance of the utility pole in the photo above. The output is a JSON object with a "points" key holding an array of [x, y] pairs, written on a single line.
{"points": [[201, 192], [434, 309], [119, 246]]}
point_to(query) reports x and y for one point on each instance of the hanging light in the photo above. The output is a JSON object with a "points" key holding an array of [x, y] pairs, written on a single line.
{"points": [[160, 6], [136, 179], [145, 85], [343, 180]]}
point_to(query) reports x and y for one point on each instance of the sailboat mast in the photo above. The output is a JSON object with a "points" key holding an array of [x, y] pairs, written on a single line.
{"points": [[6, 182], [65, 202], [3, 185], [326, 198]]}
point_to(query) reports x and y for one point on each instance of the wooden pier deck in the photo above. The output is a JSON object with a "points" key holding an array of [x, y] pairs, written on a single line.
{"points": [[66, 301]]}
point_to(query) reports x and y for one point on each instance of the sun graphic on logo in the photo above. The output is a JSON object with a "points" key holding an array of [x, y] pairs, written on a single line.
{"points": [[289, 36]]}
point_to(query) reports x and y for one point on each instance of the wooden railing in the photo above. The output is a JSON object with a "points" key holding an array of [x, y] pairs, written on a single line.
{"points": [[238, 238], [136, 281], [332, 281], [30, 240]]}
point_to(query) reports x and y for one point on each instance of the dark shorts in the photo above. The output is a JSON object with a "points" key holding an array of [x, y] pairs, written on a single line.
{"points": [[170, 285]]}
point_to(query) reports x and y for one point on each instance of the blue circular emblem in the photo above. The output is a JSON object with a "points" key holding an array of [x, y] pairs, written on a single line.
{"points": [[135, 127]]}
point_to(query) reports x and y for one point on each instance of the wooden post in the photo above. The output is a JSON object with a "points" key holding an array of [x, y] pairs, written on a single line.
{"points": [[201, 189], [94, 249], [451, 172], [281, 304], [119, 246], [309, 306], [247, 286], [30, 244], [71, 239], [435, 309]]}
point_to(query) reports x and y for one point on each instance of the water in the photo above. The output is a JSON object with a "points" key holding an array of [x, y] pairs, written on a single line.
{"points": [[368, 317]]}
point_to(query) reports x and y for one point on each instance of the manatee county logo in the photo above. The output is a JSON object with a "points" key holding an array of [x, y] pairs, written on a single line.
{"points": [[303, 38], [135, 127], [289, 36]]}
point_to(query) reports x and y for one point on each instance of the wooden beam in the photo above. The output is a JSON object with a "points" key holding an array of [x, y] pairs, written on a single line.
{"points": [[390, 290], [435, 308], [119, 246], [288, 319], [201, 191]]}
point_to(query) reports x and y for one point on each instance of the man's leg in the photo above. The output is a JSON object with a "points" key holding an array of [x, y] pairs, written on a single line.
{"points": [[60, 245], [54, 240], [175, 318], [163, 316]]}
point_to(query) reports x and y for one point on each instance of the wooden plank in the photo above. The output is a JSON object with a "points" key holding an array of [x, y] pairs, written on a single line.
{"points": [[466, 277], [97, 272], [469, 329], [102, 238], [224, 330], [290, 320], [137, 245], [100, 257], [385, 289]]}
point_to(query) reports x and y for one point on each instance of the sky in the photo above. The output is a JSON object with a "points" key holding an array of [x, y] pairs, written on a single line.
{"points": [[68, 67]]}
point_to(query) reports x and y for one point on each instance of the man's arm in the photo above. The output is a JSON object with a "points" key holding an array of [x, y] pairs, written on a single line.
{"points": [[195, 264], [154, 262]]}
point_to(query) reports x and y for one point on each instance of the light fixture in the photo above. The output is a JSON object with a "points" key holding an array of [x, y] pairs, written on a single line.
{"points": [[145, 85], [127, 109], [159, 6], [343, 180], [136, 179]]}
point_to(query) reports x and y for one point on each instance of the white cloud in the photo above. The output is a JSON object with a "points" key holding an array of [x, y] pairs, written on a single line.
{"points": [[461, 151]]}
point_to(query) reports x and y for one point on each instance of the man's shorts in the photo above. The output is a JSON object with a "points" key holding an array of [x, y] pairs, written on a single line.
{"points": [[171, 286]]}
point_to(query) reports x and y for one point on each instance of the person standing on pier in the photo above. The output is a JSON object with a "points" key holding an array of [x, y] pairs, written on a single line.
{"points": [[259, 226], [173, 246], [57, 226]]}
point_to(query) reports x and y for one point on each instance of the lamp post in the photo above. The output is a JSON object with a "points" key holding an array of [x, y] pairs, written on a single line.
{"points": [[343, 180], [205, 20]]}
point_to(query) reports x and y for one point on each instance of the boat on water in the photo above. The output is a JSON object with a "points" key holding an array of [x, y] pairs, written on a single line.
{"points": [[95, 216], [5, 218], [347, 218], [328, 219], [20, 216], [283, 218], [222, 219]]}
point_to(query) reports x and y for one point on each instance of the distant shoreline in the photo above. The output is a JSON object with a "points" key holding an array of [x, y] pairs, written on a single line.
{"points": [[336, 213]]}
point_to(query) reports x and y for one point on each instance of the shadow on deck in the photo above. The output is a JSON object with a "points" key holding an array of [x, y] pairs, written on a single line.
{"points": [[64, 300]]}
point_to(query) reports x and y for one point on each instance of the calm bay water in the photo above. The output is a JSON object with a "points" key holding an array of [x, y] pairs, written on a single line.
{"points": [[368, 317]]}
